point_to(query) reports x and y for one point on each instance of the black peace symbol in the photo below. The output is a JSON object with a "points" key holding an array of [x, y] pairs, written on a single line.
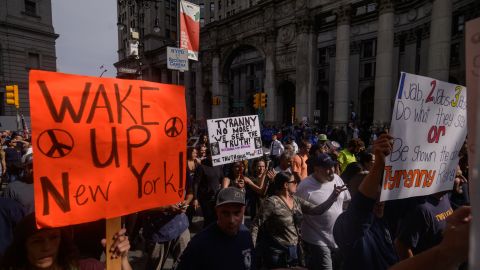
{"points": [[173, 127], [55, 143]]}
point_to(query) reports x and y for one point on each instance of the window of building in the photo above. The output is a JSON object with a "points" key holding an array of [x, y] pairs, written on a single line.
{"points": [[322, 74], [212, 18], [371, 7], [458, 24], [167, 5], [418, 51], [30, 7], [323, 56], [455, 53], [212, 7], [202, 22], [369, 70], [33, 61], [173, 21], [173, 35], [132, 10], [132, 24], [167, 19], [233, 2], [167, 32], [368, 48], [219, 17], [220, 4], [401, 43], [228, 13]]}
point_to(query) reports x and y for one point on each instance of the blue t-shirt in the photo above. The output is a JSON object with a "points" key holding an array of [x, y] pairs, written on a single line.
{"points": [[422, 228], [363, 238], [214, 250]]}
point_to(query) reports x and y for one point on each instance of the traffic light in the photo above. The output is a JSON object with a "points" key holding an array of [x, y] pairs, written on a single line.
{"points": [[11, 96], [256, 101], [263, 100]]}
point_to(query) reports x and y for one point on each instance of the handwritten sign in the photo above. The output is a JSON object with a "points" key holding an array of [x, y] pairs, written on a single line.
{"points": [[104, 147], [429, 124], [177, 58], [234, 139]]}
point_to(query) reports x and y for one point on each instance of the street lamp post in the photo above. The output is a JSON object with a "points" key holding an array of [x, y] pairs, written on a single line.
{"points": [[136, 34]]}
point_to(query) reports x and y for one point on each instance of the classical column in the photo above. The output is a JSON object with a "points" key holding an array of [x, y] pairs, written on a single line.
{"points": [[384, 69], [217, 111], [305, 56], [269, 86], [199, 91], [439, 43], [340, 109]]}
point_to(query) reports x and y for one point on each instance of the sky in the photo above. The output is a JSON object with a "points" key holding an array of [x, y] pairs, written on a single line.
{"points": [[88, 36]]}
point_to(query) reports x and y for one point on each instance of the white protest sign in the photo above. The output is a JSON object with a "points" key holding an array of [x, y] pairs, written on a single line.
{"points": [[429, 125], [234, 139], [177, 58]]}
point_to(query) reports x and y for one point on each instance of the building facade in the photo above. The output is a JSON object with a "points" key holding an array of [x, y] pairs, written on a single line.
{"points": [[27, 41], [326, 59]]}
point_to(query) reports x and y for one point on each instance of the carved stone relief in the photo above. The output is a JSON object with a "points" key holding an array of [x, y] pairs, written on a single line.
{"points": [[286, 34], [286, 61]]}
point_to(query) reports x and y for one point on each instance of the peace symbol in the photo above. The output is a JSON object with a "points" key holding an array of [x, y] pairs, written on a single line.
{"points": [[55, 143], [173, 127]]}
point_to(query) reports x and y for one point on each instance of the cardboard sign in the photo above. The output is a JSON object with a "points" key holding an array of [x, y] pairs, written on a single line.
{"points": [[105, 147], [234, 139], [429, 124], [177, 58]]}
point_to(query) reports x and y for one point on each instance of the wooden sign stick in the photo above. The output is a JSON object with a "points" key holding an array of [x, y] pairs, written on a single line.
{"points": [[113, 226]]}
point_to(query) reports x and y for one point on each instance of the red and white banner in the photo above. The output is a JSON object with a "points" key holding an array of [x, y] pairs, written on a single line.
{"points": [[190, 28]]}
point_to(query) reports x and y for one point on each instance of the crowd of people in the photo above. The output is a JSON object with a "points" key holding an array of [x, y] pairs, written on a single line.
{"points": [[308, 202]]}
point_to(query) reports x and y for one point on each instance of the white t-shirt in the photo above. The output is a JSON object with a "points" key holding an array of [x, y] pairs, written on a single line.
{"points": [[318, 229]]}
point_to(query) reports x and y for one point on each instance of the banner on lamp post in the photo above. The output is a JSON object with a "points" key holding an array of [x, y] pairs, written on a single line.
{"points": [[190, 28]]}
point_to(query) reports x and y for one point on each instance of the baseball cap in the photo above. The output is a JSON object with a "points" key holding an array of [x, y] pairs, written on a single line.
{"points": [[230, 195], [324, 160], [322, 137]]}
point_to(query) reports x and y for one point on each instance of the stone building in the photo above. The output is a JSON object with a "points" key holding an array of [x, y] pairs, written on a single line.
{"points": [[324, 58], [27, 41], [316, 59]]}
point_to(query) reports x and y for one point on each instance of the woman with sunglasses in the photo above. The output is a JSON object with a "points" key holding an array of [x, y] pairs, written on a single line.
{"points": [[276, 228]]}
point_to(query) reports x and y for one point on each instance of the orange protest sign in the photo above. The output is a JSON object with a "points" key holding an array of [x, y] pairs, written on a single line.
{"points": [[105, 147]]}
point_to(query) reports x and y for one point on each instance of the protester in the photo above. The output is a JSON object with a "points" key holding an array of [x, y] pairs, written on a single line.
{"points": [[202, 152], [13, 158], [451, 252], [226, 244], [300, 160], [276, 149], [276, 228], [459, 195], [206, 185], [423, 226], [22, 190], [291, 141], [193, 162], [11, 212], [360, 232], [52, 248], [166, 232], [347, 156], [285, 162], [317, 231], [356, 171]]}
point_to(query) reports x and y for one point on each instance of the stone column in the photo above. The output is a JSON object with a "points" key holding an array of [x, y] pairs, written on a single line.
{"points": [[269, 86], [216, 87], [384, 69], [340, 109], [199, 91], [303, 95], [440, 36]]}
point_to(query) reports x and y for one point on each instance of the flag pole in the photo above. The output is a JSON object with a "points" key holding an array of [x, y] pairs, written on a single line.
{"points": [[179, 36]]}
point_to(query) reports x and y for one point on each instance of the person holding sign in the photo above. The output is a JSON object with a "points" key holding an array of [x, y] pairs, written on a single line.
{"points": [[52, 248], [360, 232]]}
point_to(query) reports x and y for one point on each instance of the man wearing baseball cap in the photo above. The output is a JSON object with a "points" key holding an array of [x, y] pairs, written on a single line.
{"points": [[317, 230], [226, 244]]}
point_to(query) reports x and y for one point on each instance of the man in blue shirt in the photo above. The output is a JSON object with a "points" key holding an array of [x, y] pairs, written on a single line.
{"points": [[226, 244], [360, 232]]}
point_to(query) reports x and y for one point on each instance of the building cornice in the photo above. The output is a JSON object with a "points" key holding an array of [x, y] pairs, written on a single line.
{"points": [[28, 29]]}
